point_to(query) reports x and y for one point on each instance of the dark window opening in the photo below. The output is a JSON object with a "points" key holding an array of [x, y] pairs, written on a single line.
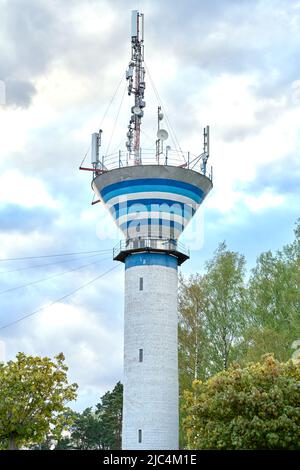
{"points": [[149, 227], [160, 228], [172, 225], [140, 436], [141, 355], [141, 283]]}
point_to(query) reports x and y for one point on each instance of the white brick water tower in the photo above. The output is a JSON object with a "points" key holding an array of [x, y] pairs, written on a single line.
{"points": [[152, 198]]}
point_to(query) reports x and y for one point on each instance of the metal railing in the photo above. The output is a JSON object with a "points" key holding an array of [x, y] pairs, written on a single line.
{"points": [[149, 157], [155, 244]]}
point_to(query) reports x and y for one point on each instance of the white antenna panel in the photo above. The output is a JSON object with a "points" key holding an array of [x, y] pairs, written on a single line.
{"points": [[134, 23], [95, 148], [162, 134]]}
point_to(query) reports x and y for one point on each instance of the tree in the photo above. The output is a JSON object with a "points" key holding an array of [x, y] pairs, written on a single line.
{"points": [[109, 412], [90, 430], [33, 395], [86, 432], [192, 338], [226, 313], [274, 302], [224, 319], [262, 340], [192, 335], [212, 316], [255, 407]]}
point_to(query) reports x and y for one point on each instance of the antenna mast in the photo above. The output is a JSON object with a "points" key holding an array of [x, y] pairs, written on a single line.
{"points": [[136, 85], [205, 149]]}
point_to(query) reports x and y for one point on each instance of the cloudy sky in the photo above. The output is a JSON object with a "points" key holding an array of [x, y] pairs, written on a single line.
{"points": [[231, 64]]}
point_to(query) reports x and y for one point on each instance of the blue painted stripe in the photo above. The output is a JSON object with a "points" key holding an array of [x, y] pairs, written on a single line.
{"points": [[151, 259], [136, 213], [152, 189], [144, 205], [151, 222], [133, 215], [152, 182]]}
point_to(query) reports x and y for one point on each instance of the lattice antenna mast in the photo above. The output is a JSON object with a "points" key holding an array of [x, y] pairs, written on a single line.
{"points": [[136, 85]]}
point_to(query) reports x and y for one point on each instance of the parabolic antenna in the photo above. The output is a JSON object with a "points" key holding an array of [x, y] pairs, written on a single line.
{"points": [[162, 134], [136, 110]]}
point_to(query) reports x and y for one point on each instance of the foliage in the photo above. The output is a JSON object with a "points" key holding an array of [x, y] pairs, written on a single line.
{"points": [[256, 407], [192, 335], [223, 317], [226, 317], [212, 315], [84, 433], [211, 318], [91, 430], [33, 395], [193, 351], [109, 412], [274, 302]]}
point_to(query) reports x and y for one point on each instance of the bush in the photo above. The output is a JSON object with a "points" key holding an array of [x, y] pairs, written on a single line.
{"points": [[255, 407]]}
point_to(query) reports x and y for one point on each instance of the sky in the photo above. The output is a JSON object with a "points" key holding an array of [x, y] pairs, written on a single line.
{"points": [[231, 64]]}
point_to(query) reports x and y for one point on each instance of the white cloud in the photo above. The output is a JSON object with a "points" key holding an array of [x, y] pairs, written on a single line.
{"points": [[26, 191], [223, 199], [58, 91], [93, 350], [86, 19], [264, 131], [15, 243], [263, 201]]}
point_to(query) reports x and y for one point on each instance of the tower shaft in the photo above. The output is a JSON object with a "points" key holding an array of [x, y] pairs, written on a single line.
{"points": [[150, 409]]}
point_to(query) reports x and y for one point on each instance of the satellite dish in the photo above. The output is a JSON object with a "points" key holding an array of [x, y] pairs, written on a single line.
{"points": [[160, 116], [136, 110], [162, 134]]}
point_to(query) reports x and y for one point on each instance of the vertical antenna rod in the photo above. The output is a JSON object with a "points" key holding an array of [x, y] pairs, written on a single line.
{"points": [[136, 85], [205, 149], [95, 147]]}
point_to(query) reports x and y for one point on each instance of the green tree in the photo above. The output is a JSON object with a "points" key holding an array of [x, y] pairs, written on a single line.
{"points": [[109, 412], [92, 430], [226, 313], [255, 407], [224, 319], [274, 302], [212, 316], [192, 338], [192, 335], [33, 396], [86, 432]]}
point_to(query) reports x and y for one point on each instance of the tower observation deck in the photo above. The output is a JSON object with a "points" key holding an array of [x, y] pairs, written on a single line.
{"points": [[152, 196]]}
